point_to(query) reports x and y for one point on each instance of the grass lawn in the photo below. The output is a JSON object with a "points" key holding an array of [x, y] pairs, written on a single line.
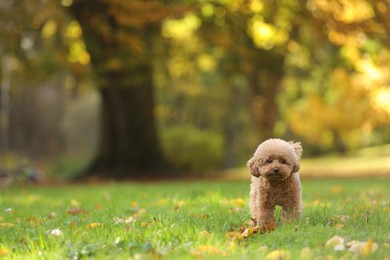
{"points": [[187, 220]]}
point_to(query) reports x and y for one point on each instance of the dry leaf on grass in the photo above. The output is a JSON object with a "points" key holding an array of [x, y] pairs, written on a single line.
{"points": [[359, 247], [249, 231], [93, 225], [278, 255], [335, 241], [179, 204], [235, 235], [362, 248], [75, 211], [6, 225], [202, 251], [3, 251], [75, 203]]}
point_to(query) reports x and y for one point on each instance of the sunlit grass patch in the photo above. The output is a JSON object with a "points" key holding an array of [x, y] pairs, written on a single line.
{"points": [[191, 220]]}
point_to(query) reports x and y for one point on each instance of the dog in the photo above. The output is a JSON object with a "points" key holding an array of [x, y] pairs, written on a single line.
{"points": [[275, 181]]}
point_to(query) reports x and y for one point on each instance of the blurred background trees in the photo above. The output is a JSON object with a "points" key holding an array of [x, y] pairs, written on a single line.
{"points": [[141, 85]]}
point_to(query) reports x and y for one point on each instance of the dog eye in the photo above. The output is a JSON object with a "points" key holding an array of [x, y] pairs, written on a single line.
{"points": [[283, 161], [269, 161]]}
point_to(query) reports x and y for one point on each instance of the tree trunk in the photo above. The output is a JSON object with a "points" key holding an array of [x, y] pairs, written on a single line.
{"points": [[264, 88], [129, 145]]}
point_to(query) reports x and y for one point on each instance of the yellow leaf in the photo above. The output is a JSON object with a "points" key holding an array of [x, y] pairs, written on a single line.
{"points": [[339, 226], [75, 203], [6, 225], [368, 248], [3, 251], [235, 235], [278, 255], [240, 202], [362, 248], [249, 231], [93, 225], [179, 204], [202, 251]]}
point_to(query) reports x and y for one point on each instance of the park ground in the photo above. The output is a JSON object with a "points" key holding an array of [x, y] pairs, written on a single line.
{"points": [[346, 216], [342, 219]]}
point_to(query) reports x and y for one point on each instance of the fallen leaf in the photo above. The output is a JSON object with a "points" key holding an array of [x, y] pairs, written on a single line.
{"points": [[75, 211], [335, 241], [235, 235], [249, 231], [6, 225], [179, 204], [278, 255], [362, 248], [3, 251], [202, 251], [93, 225], [240, 202], [75, 203], [56, 232], [339, 226]]}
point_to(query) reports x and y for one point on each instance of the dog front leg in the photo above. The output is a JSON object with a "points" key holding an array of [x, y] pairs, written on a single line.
{"points": [[266, 218]]}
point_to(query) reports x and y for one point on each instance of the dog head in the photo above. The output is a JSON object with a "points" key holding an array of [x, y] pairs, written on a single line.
{"points": [[275, 159]]}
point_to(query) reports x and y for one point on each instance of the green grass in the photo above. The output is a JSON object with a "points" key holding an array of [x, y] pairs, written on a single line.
{"points": [[187, 220]]}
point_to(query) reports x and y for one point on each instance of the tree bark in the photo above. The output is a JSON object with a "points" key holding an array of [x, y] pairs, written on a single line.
{"points": [[129, 145], [264, 82]]}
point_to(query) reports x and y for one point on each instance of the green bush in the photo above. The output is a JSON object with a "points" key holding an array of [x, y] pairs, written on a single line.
{"points": [[192, 149]]}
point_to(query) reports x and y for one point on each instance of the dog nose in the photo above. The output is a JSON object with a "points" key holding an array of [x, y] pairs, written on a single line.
{"points": [[276, 170]]}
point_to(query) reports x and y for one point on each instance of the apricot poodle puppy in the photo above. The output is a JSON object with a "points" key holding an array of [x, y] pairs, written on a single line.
{"points": [[275, 181]]}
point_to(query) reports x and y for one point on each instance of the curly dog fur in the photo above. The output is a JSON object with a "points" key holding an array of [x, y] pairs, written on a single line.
{"points": [[275, 181]]}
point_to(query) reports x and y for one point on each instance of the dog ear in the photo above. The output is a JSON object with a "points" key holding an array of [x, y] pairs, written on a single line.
{"points": [[252, 165], [297, 148], [297, 166]]}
